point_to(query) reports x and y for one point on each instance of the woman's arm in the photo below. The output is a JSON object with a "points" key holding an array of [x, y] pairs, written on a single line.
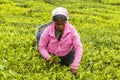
{"points": [[78, 50], [44, 40]]}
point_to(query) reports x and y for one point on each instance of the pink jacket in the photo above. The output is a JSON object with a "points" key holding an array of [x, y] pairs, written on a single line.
{"points": [[49, 43]]}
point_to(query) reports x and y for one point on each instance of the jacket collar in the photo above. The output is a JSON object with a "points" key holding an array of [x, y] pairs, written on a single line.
{"points": [[52, 29]]}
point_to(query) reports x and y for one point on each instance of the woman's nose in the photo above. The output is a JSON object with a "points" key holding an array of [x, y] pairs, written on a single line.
{"points": [[61, 26]]}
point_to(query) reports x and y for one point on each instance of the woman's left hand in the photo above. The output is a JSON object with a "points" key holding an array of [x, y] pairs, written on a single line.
{"points": [[74, 71]]}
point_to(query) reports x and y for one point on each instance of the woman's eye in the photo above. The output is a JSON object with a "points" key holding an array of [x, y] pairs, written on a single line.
{"points": [[58, 24]]}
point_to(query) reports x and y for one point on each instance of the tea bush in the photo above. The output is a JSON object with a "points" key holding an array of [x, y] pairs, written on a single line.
{"points": [[97, 22]]}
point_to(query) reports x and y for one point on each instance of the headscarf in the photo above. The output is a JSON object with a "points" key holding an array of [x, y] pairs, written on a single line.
{"points": [[60, 10]]}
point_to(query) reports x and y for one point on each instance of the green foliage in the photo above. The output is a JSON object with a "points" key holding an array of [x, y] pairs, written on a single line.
{"points": [[97, 22]]}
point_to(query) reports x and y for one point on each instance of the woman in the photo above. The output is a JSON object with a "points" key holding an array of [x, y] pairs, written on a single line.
{"points": [[61, 39]]}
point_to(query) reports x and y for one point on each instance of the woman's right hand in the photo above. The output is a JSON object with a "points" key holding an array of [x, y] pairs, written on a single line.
{"points": [[49, 59]]}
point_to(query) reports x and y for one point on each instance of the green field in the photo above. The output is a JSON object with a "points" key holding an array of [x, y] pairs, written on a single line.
{"points": [[98, 24]]}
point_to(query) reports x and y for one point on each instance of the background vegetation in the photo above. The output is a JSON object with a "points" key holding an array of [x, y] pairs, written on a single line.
{"points": [[98, 24]]}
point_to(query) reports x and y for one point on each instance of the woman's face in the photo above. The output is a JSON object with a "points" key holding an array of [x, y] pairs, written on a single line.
{"points": [[59, 25]]}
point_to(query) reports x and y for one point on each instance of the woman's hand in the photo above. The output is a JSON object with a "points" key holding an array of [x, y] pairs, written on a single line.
{"points": [[48, 59], [74, 71]]}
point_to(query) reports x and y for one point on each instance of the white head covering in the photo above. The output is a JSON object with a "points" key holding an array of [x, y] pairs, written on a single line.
{"points": [[60, 10]]}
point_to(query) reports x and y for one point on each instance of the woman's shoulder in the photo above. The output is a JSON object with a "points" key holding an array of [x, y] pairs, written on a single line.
{"points": [[71, 27], [48, 28]]}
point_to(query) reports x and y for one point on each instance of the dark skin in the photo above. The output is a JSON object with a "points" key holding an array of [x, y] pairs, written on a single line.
{"points": [[59, 26]]}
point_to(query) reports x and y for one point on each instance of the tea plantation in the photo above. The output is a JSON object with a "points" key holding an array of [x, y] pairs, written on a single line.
{"points": [[98, 24]]}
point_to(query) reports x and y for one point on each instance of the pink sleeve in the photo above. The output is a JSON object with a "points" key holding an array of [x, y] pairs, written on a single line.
{"points": [[78, 50], [43, 45]]}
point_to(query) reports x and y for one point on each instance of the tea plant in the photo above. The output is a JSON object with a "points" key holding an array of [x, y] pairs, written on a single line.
{"points": [[97, 22]]}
